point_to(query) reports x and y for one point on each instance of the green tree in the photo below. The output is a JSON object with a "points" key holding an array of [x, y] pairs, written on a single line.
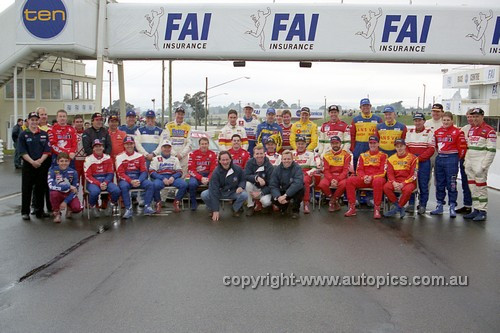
{"points": [[197, 103], [278, 104], [115, 107]]}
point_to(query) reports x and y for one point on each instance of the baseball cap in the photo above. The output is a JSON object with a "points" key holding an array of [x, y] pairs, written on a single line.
{"points": [[131, 113], [300, 138], [128, 139], [96, 115], [271, 110], [180, 109], [399, 141], [305, 109], [477, 111], [437, 107], [96, 142], [333, 108], [166, 142], [150, 113], [270, 140], [33, 114], [248, 106], [364, 101], [335, 138], [373, 138], [114, 117], [388, 109], [419, 115]]}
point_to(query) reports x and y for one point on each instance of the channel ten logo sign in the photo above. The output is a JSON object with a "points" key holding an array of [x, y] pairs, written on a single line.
{"points": [[44, 18]]}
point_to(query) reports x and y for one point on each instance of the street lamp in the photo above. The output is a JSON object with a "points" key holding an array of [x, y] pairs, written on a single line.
{"points": [[206, 95], [153, 100], [218, 95]]}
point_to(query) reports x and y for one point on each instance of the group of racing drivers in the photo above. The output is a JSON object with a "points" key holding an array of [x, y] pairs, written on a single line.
{"points": [[271, 165]]}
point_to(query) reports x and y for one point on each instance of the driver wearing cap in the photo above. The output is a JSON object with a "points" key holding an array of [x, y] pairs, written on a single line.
{"points": [[133, 174], [99, 173], [336, 165], [402, 171], [179, 133], [370, 173]]}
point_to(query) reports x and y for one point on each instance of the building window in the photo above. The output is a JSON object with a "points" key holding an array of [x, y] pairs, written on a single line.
{"points": [[67, 89], [92, 88], [51, 88], [76, 90], [30, 89]]}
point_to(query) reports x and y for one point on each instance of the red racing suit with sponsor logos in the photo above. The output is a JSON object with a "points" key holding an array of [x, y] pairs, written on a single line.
{"points": [[240, 157], [202, 164], [63, 139]]}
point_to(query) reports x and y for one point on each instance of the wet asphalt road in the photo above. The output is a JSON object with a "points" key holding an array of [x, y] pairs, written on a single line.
{"points": [[164, 273]]}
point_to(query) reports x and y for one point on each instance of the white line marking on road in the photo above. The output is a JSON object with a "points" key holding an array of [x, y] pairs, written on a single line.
{"points": [[10, 196]]}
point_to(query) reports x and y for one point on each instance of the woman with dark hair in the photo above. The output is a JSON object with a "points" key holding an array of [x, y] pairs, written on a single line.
{"points": [[227, 182]]}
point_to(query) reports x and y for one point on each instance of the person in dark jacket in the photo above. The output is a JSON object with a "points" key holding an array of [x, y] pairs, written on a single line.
{"points": [[258, 171], [287, 184], [16, 130], [96, 131], [227, 182], [34, 148]]}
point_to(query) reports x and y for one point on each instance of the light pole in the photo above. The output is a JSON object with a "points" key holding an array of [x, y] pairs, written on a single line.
{"points": [[110, 100], [324, 112], [217, 85], [423, 100], [153, 100]]}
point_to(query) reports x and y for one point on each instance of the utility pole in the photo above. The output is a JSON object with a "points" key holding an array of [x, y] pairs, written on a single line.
{"points": [[110, 99], [423, 100], [170, 90], [324, 113], [206, 102], [163, 92]]}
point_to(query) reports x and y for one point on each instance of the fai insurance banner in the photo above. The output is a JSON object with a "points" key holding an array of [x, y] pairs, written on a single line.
{"points": [[304, 32]]}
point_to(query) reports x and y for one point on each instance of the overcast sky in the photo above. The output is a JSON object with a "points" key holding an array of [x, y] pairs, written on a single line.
{"points": [[341, 83]]}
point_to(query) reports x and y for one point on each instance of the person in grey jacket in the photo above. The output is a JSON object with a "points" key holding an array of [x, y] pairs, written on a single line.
{"points": [[287, 184], [258, 171], [227, 182]]}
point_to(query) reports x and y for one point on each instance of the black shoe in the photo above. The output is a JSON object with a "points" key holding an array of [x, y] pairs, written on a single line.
{"points": [[42, 215], [464, 210], [250, 211], [238, 212], [33, 212], [25, 217], [295, 215]]}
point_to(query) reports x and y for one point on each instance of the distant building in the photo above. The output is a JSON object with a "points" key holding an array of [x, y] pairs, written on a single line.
{"points": [[56, 83], [482, 85]]}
